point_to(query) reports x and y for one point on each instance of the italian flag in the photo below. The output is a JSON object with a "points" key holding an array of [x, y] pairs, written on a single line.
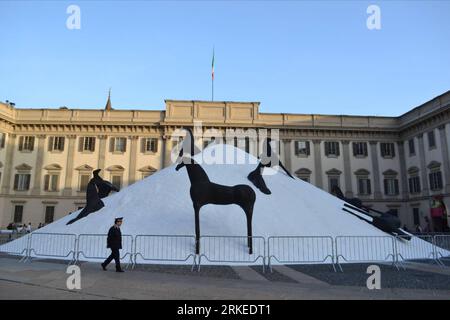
{"points": [[212, 66]]}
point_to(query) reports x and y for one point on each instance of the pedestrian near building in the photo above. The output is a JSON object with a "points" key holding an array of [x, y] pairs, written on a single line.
{"points": [[114, 242]]}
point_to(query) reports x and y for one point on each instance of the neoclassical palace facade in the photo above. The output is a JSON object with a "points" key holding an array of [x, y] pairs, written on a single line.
{"points": [[392, 163]]}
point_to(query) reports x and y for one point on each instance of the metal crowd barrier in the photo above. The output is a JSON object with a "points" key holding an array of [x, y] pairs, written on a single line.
{"points": [[365, 249], [93, 246], [442, 248], [424, 248], [16, 247], [300, 249], [165, 248], [53, 245], [232, 249]]}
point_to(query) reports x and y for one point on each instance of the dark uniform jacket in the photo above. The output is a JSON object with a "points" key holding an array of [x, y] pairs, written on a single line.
{"points": [[114, 238]]}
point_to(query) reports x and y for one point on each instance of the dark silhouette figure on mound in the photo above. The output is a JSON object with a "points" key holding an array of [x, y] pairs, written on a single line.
{"points": [[385, 221], [267, 159], [114, 242], [97, 189], [203, 192]]}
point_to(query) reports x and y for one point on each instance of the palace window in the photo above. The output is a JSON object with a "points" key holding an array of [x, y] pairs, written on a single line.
{"points": [[333, 182], [391, 187], [333, 178], [431, 140], [26, 143], [435, 180], [56, 144], [304, 174], [360, 149], [387, 150], [331, 148], [22, 181], [49, 214], [412, 149], [435, 176], [150, 145], [364, 187], [302, 148], [18, 213], [86, 144], [118, 144], [51, 182], [146, 171], [84, 180], [117, 181], [414, 185], [363, 182]]}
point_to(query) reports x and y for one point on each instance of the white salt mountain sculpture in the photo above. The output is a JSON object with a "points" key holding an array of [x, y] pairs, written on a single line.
{"points": [[161, 205]]}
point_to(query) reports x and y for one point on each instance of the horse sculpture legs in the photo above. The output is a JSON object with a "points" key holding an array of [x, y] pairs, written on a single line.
{"points": [[197, 229], [249, 214]]}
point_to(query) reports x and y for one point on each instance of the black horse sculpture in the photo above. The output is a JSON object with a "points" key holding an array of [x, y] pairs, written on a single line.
{"points": [[385, 221], [203, 192], [267, 159], [97, 189]]}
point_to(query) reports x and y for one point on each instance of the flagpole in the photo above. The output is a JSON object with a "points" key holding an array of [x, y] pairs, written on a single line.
{"points": [[212, 77]]}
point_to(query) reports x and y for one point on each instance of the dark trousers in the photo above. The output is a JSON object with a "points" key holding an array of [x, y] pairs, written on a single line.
{"points": [[114, 255]]}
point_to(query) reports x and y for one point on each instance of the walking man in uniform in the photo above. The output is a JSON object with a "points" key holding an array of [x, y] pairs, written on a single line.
{"points": [[114, 242]]}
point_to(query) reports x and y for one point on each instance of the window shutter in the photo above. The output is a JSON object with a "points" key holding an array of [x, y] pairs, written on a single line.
{"points": [[337, 149], [354, 148], [365, 149], [46, 182], [3, 138], [16, 182], [393, 149], [93, 144], [56, 181], [111, 144], [307, 148], [369, 187], [439, 178], [27, 181], [62, 139], [125, 145], [143, 145], [50, 143], [80, 144], [430, 179], [326, 144], [385, 186], [20, 143], [156, 144], [397, 191], [31, 143]]}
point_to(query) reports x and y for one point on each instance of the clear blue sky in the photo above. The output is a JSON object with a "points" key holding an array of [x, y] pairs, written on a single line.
{"points": [[293, 57]]}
